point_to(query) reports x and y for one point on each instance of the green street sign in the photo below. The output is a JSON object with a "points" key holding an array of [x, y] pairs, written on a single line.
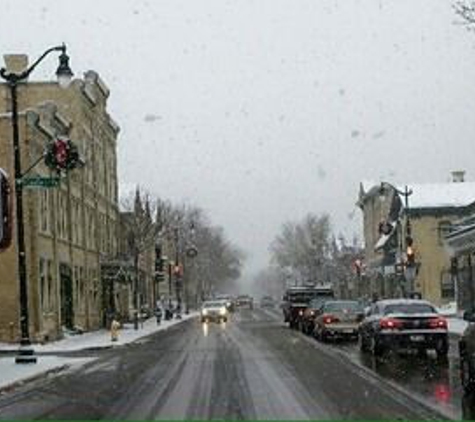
{"points": [[39, 182]]}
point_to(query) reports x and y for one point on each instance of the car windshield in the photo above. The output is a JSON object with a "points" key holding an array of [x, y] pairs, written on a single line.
{"points": [[215, 304], [343, 306], [185, 184], [409, 308]]}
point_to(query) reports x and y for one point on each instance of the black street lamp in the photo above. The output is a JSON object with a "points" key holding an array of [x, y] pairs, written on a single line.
{"points": [[64, 74], [408, 235]]}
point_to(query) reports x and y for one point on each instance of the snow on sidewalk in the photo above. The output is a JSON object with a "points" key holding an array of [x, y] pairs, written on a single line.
{"points": [[456, 325], [101, 338], [12, 373]]}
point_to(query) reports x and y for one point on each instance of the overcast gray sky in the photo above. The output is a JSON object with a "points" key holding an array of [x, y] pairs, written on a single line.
{"points": [[263, 110]]}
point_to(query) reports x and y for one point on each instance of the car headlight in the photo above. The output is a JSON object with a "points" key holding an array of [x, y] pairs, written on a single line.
{"points": [[204, 312], [222, 311]]}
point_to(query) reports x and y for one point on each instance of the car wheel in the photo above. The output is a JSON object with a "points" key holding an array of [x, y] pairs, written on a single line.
{"points": [[466, 374], [442, 349], [362, 343], [377, 348]]}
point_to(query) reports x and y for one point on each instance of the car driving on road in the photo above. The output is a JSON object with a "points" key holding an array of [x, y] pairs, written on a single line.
{"points": [[338, 318], [245, 301], [267, 302], [403, 324], [214, 310]]}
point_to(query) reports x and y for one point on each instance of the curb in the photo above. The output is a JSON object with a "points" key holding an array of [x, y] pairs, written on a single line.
{"points": [[15, 384], [7, 352]]}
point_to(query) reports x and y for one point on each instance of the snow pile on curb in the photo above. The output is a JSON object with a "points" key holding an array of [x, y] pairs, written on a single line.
{"points": [[457, 325], [101, 338], [14, 374]]}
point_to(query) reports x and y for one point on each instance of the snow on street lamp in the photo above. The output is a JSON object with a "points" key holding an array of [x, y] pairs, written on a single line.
{"points": [[64, 74]]}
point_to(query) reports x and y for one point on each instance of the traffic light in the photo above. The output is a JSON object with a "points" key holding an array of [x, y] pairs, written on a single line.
{"points": [[5, 212]]}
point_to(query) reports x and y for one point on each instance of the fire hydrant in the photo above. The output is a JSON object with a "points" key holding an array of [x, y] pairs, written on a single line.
{"points": [[115, 325]]}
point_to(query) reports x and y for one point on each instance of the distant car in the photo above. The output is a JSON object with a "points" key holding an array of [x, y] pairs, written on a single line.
{"points": [[230, 302], [467, 353], [267, 302], [214, 310], [338, 318], [403, 324], [245, 301]]}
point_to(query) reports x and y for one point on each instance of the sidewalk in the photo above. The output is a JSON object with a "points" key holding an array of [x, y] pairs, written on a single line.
{"points": [[13, 374]]}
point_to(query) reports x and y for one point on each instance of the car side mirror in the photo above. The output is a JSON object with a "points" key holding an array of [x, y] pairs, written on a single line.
{"points": [[367, 311], [469, 316]]}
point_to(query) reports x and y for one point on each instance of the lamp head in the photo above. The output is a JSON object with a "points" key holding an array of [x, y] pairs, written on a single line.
{"points": [[64, 72]]}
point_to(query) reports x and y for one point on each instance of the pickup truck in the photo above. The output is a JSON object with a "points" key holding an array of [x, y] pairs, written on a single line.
{"points": [[296, 300]]}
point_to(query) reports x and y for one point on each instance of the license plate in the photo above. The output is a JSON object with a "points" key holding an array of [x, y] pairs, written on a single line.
{"points": [[348, 331], [417, 338]]}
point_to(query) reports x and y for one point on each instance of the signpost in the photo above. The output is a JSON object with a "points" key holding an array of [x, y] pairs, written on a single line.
{"points": [[39, 182]]}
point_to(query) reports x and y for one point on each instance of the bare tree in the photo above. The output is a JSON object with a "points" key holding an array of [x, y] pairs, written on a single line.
{"points": [[141, 233], [465, 9]]}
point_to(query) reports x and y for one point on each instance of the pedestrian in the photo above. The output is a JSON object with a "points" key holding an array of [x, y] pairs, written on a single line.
{"points": [[115, 325], [158, 313]]}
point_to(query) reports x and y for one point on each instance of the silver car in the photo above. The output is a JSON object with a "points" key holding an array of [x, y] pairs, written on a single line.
{"points": [[215, 310]]}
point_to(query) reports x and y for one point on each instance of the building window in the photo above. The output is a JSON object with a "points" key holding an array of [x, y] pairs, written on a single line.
{"points": [[42, 273], [447, 287], [50, 284], [444, 229]]}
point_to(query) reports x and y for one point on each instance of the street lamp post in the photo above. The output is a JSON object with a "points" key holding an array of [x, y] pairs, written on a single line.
{"points": [[408, 232], [64, 74]]}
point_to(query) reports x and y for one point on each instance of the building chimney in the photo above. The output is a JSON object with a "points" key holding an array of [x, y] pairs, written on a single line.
{"points": [[458, 176], [15, 63]]}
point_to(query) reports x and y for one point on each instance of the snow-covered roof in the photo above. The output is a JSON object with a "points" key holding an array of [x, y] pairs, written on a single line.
{"points": [[430, 195], [441, 195]]}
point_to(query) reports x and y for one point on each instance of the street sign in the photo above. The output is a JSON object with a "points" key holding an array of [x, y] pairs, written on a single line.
{"points": [[39, 182]]}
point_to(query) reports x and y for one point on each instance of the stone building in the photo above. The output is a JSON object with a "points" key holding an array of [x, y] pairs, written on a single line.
{"points": [[70, 230], [460, 243], [431, 210]]}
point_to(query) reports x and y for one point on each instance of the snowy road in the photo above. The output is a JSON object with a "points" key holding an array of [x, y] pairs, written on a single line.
{"points": [[251, 368]]}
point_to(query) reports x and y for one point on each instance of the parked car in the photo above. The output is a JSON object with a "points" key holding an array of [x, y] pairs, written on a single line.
{"points": [[214, 310], [467, 353], [267, 302], [313, 309], [403, 324], [338, 319], [297, 299]]}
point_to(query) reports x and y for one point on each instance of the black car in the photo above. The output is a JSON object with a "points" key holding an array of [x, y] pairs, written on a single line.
{"points": [[467, 353], [403, 324]]}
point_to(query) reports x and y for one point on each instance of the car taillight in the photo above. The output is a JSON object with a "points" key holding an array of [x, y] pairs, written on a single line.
{"points": [[330, 319], [390, 324], [438, 322]]}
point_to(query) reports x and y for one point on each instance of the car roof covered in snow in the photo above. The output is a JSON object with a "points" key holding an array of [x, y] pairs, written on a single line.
{"points": [[387, 302]]}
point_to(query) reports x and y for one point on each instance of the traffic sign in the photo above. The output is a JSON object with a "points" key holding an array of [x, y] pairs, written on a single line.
{"points": [[39, 182]]}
